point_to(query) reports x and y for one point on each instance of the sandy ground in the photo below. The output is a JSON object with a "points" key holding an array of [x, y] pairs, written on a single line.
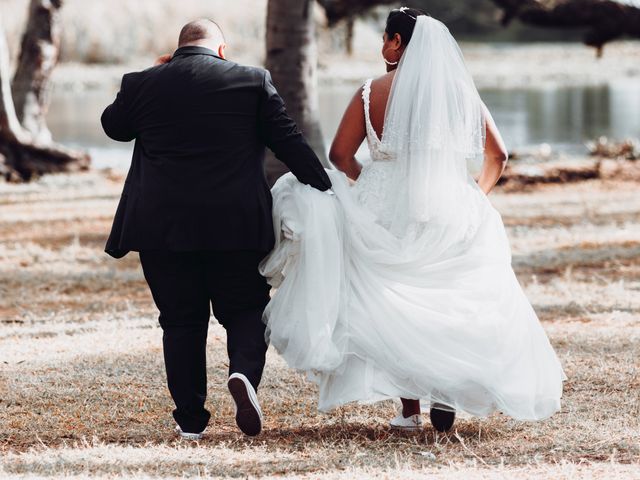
{"points": [[82, 387]]}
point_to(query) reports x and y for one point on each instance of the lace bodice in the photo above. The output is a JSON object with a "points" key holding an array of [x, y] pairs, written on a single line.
{"points": [[372, 188]]}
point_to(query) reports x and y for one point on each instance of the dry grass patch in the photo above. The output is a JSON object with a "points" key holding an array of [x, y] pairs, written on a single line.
{"points": [[82, 389]]}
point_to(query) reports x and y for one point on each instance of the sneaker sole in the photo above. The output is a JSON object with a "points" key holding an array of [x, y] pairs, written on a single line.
{"points": [[189, 436], [407, 429], [248, 415]]}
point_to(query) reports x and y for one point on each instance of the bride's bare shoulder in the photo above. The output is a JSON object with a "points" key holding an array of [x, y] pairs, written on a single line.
{"points": [[381, 83], [384, 81]]}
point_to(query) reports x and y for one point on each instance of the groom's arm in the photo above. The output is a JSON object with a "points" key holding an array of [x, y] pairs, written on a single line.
{"points": [[115, 119], [280, 133]]}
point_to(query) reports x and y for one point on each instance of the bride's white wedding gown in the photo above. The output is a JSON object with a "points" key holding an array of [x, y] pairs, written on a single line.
{"points": [[371, 315]]}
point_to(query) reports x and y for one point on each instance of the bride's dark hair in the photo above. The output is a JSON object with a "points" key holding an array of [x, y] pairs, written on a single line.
{"points": [[402, 21]]}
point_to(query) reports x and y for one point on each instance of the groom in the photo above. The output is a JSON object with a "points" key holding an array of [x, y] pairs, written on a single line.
{"points": [[197, 207]]}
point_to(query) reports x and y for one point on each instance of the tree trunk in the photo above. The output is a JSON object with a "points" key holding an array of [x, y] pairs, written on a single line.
{"points": [[11, 131], [24, 155], [349, 35], [292, 59], [10, 127], [38, 58]]}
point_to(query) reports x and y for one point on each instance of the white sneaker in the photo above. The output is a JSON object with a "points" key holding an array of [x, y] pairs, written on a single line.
{"points": [[414, 422], [248, 412], [189, 436]]}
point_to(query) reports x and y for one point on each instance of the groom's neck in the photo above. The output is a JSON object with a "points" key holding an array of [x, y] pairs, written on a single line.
{"points": [[218, 49]]}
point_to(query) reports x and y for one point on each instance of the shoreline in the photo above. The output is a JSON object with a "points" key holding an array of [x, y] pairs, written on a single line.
{"points": [[519, 176]]}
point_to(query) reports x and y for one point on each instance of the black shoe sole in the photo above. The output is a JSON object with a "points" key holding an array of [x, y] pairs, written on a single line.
{"points": [[442, 420], [247, 416]]}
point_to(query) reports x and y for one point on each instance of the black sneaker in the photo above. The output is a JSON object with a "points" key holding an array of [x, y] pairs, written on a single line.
{"points": [[442, 420], [248, 412]]}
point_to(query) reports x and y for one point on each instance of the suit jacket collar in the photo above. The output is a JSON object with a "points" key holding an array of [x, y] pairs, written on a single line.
{"points": [[195, 50]]}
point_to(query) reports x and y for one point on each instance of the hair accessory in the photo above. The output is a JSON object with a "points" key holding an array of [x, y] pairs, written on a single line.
{"points": [[404, 10]]}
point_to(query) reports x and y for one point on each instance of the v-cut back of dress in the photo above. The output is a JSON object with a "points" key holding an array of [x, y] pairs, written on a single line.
{"points": [[372, 188], [376, 146]]}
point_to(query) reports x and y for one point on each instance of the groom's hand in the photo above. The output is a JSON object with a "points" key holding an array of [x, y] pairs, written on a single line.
{"points": [[166, 58]]}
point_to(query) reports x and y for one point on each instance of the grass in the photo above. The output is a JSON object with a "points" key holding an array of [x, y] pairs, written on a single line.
{"points": [[82, 390]]}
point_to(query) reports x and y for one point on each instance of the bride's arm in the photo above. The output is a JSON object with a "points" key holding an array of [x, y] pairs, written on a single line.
{"points": [[350, 134], [495, 155]]}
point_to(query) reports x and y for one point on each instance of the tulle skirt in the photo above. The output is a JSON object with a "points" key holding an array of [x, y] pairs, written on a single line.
{"points": [[369, 315]]}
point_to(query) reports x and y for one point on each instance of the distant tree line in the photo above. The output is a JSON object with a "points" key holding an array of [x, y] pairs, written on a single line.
{"points": [[481, 20], [595, 22]]}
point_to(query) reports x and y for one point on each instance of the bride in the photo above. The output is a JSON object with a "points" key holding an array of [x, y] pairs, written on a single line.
{"points": [[400, 283]]}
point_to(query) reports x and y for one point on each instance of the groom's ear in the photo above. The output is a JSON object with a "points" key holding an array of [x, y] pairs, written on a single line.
{"points": [[221, 49]]}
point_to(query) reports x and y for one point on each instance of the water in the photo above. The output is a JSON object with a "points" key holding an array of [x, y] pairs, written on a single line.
{"points": [[564, 117]]}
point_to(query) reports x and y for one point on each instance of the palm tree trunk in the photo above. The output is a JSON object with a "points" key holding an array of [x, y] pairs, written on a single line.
{"points": [[292, 59]]}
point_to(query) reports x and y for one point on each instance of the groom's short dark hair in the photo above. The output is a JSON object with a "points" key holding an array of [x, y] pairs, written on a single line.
{"points": [[201, 29]]}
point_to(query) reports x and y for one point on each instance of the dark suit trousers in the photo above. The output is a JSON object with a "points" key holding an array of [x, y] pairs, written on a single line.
{"points": [[183, 285]]}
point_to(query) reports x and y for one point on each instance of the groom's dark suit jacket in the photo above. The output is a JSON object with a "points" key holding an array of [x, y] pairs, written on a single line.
{"points": [[196, 181]]}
